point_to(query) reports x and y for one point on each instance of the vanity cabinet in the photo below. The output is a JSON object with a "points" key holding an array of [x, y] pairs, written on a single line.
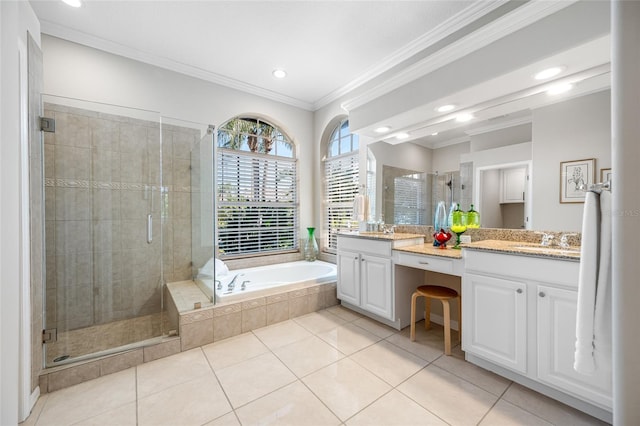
{"points": [[556, 328], [512, 185], [519, 314], [496, 319], [365, 275]]}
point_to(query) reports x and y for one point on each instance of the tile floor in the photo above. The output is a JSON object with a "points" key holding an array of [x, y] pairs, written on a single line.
{"points": [[331, 367]]}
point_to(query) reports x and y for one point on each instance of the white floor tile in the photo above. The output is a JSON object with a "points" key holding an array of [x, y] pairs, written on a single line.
{"points": [[454, 400], [480, 377], [308, 355], [292, 405], [349, 338], [345, 387], [344, 313], [281, 334], [192, 403], [88, 399], [381, 330], [389, 362], [166, 372], [229, 419], [119, 416], [425, 349], [507, 414], [317, 322], [394, 409], [253, 378], [231, 351]]}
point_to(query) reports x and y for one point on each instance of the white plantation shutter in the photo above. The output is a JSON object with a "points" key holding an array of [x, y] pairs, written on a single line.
{"points": [[257, 203], [341, 187], [410, 194]]}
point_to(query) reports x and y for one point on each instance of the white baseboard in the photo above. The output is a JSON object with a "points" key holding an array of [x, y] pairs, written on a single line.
{"points": [[439, 319]]}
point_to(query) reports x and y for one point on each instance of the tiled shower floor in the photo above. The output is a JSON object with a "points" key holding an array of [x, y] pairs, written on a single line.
{"points": [[331, 367]]}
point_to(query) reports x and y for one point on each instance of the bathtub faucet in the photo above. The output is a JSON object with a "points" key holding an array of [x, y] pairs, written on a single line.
{"points": [[232, 283], [244, 285]]}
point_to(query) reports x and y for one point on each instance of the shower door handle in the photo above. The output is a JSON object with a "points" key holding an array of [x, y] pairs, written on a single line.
{"points": [[149, 229]]}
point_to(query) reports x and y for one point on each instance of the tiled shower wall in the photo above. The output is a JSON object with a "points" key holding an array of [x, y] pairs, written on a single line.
{"points": [[102, 177]]}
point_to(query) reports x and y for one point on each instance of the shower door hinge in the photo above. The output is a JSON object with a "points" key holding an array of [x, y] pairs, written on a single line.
{"points": [[50, 335], [48, 124]]}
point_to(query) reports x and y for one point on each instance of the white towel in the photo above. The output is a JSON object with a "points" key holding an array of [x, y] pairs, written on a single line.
{"points": [[360, 208], [583, 362], [593, 320], [602, 324]]}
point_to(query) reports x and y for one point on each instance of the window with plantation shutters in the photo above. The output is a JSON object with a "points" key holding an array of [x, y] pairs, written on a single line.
{"points": [[257, 190], [342, 175], [410, 192]]}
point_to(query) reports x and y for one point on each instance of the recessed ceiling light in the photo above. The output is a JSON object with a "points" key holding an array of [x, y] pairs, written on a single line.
{"points": [[559, 88], [548, 73], [73, 3], [445, 108], [279, 73], [434, 134], [402, 136], [382, 129], [461, 118]]}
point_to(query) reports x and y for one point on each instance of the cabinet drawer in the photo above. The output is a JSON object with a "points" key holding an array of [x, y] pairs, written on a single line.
{"points": [[364, 245], [428, 263]]}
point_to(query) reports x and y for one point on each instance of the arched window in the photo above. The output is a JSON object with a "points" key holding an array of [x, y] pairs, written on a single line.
{"points": [[341, 177], [257, 189]]}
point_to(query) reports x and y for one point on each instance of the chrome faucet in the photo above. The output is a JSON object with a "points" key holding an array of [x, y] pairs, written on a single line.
{"points": [[564, 240], [244, 285], [232, 283], [546, 239]]}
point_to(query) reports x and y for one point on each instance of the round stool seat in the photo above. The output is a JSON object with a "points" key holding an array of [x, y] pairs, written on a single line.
{"points": [[443, 294], [437, 292]]}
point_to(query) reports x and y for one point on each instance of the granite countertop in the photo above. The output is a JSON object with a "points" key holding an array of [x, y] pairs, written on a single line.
{"points": [[526, 249], [396, 236], [430, 250]]}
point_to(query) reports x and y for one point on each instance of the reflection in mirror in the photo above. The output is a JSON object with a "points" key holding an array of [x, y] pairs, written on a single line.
{"points": [[503, 193], [406, 196]]}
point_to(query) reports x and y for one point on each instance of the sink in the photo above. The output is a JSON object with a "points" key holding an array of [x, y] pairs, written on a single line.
{"points": [[545, 249]]}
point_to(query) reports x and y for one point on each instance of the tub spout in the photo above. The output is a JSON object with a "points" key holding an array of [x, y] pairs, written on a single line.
{"points": [[244, 285]]}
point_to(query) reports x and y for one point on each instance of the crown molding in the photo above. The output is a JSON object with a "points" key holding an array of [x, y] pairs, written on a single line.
{"points": [[521, 17], [445, 29], [56, 30], [499, 126]]}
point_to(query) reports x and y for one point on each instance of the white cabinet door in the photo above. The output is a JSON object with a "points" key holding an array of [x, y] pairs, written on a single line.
{"points": [[496, 320], [348, 287], [377, 291], [512, 181], [556, 311]]}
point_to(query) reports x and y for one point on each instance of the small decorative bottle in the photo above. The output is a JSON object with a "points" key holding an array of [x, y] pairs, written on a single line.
{"points": [[311, 246], [473, 218]]}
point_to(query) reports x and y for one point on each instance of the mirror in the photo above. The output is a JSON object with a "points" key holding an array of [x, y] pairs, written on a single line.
{"points": [[403, 189]]}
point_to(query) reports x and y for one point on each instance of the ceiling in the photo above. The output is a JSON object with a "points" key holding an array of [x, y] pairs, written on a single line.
{"points": [[326, 47], [477, 54]]}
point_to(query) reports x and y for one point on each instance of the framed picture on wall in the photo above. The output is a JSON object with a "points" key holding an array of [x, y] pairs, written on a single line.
{"points": [[574, 177], [605, 175]]}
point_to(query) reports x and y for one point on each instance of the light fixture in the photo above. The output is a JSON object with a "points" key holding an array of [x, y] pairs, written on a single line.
{"points": [[73, 3], [434, 134], [548, 73], [558, 89], [445, 108], [382, 129], [464, 117], [401, 136], [279, 73]]}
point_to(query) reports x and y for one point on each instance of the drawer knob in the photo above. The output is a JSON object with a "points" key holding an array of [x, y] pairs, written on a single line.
{"points": [[541, 294], [422, 262], [519, 291]]}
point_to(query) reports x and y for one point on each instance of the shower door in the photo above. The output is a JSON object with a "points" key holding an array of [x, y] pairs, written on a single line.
{"points": [[103, 186]]}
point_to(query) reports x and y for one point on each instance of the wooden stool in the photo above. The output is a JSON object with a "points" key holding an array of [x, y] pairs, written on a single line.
{"points": [[444, 294]]}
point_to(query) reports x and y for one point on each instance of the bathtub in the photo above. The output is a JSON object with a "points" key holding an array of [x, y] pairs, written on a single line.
{"points": [[267, 280]]}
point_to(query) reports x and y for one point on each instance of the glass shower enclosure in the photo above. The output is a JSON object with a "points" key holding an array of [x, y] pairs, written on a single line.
{"points": [[103, 229]]}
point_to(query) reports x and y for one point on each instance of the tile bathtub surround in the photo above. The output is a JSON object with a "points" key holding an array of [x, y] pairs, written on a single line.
{"points": [[288, 374]]}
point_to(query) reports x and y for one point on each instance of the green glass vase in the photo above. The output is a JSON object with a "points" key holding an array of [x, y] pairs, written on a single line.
{"points": [[311, 246]]}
